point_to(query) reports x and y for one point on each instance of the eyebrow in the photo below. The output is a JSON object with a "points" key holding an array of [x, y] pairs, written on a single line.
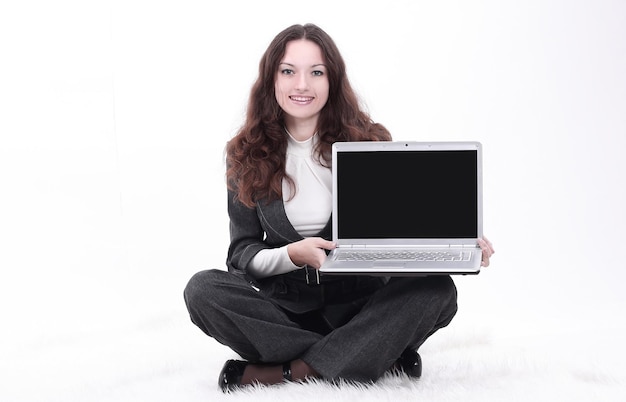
{"points": [[313, 66]]}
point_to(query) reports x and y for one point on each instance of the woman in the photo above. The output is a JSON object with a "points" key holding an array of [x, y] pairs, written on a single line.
{"points": [[272, 307]]}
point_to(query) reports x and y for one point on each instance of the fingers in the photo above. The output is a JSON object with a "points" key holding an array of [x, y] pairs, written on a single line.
{"points": [[487, 251], [323, 243], [309, 251], [319, 255], [486, 240], [486, 246], [316, 258]]}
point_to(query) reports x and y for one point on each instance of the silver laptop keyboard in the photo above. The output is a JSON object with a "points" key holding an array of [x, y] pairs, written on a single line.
{"points": [[403, 255]]}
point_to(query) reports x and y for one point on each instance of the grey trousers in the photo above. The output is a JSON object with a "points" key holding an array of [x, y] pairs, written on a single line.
{"points": [[401, 314]]}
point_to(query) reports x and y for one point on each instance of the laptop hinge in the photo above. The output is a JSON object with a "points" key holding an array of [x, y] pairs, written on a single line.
{"points": [[408, 245], [397, 245]]}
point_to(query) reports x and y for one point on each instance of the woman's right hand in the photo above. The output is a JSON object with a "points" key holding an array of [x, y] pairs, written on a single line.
{"points": [[310, 251]]}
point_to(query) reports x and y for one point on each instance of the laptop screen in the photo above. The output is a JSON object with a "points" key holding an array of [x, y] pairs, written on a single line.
{"points": [[413, 194]]}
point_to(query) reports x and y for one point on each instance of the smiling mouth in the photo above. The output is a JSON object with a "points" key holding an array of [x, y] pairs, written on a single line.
{"points": [[301, 99]]}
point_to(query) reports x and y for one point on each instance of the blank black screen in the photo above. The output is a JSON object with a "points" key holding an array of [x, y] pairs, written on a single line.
{"points": [[408, 194]]}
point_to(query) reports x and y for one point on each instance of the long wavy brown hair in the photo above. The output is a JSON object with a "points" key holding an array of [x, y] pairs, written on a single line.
{"points": [[256, 155]]}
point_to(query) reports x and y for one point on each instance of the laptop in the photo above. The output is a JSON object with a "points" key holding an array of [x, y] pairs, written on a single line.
{"points": [[406, 208]]}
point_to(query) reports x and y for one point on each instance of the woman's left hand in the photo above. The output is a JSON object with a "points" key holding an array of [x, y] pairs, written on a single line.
{"points": [[488, 251]]}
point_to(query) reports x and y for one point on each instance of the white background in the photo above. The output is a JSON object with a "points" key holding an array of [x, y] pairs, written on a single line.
{"points": [[114, 116]]}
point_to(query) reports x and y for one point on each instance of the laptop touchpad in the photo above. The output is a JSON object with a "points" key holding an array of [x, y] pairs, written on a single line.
{"points": [[389, 264]]}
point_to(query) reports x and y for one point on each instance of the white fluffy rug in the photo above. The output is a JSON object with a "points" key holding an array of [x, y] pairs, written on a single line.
{"points": [[149, 352]]}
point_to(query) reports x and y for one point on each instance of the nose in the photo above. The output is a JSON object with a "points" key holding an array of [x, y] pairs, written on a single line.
{"points": [[302, 82]]}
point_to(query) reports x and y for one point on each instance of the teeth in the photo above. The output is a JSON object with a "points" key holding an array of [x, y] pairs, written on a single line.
{"points": [[300, 98]]}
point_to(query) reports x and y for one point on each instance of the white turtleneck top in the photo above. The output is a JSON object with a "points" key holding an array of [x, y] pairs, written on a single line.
{"points": [[308, 210]]}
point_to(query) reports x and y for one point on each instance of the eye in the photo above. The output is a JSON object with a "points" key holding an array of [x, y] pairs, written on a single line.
{"points": [[287, 71], [317, 73]]}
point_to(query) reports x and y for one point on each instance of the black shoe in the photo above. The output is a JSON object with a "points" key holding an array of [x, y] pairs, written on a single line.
{"points": [[231, 374], [411, 363], [287, 371]]}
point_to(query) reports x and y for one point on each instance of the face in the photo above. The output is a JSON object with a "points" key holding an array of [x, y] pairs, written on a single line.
{"points": [[301, 84]]}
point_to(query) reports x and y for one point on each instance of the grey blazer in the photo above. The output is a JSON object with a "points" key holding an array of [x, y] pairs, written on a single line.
{"points": [[252, 230], [267, 226]]}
